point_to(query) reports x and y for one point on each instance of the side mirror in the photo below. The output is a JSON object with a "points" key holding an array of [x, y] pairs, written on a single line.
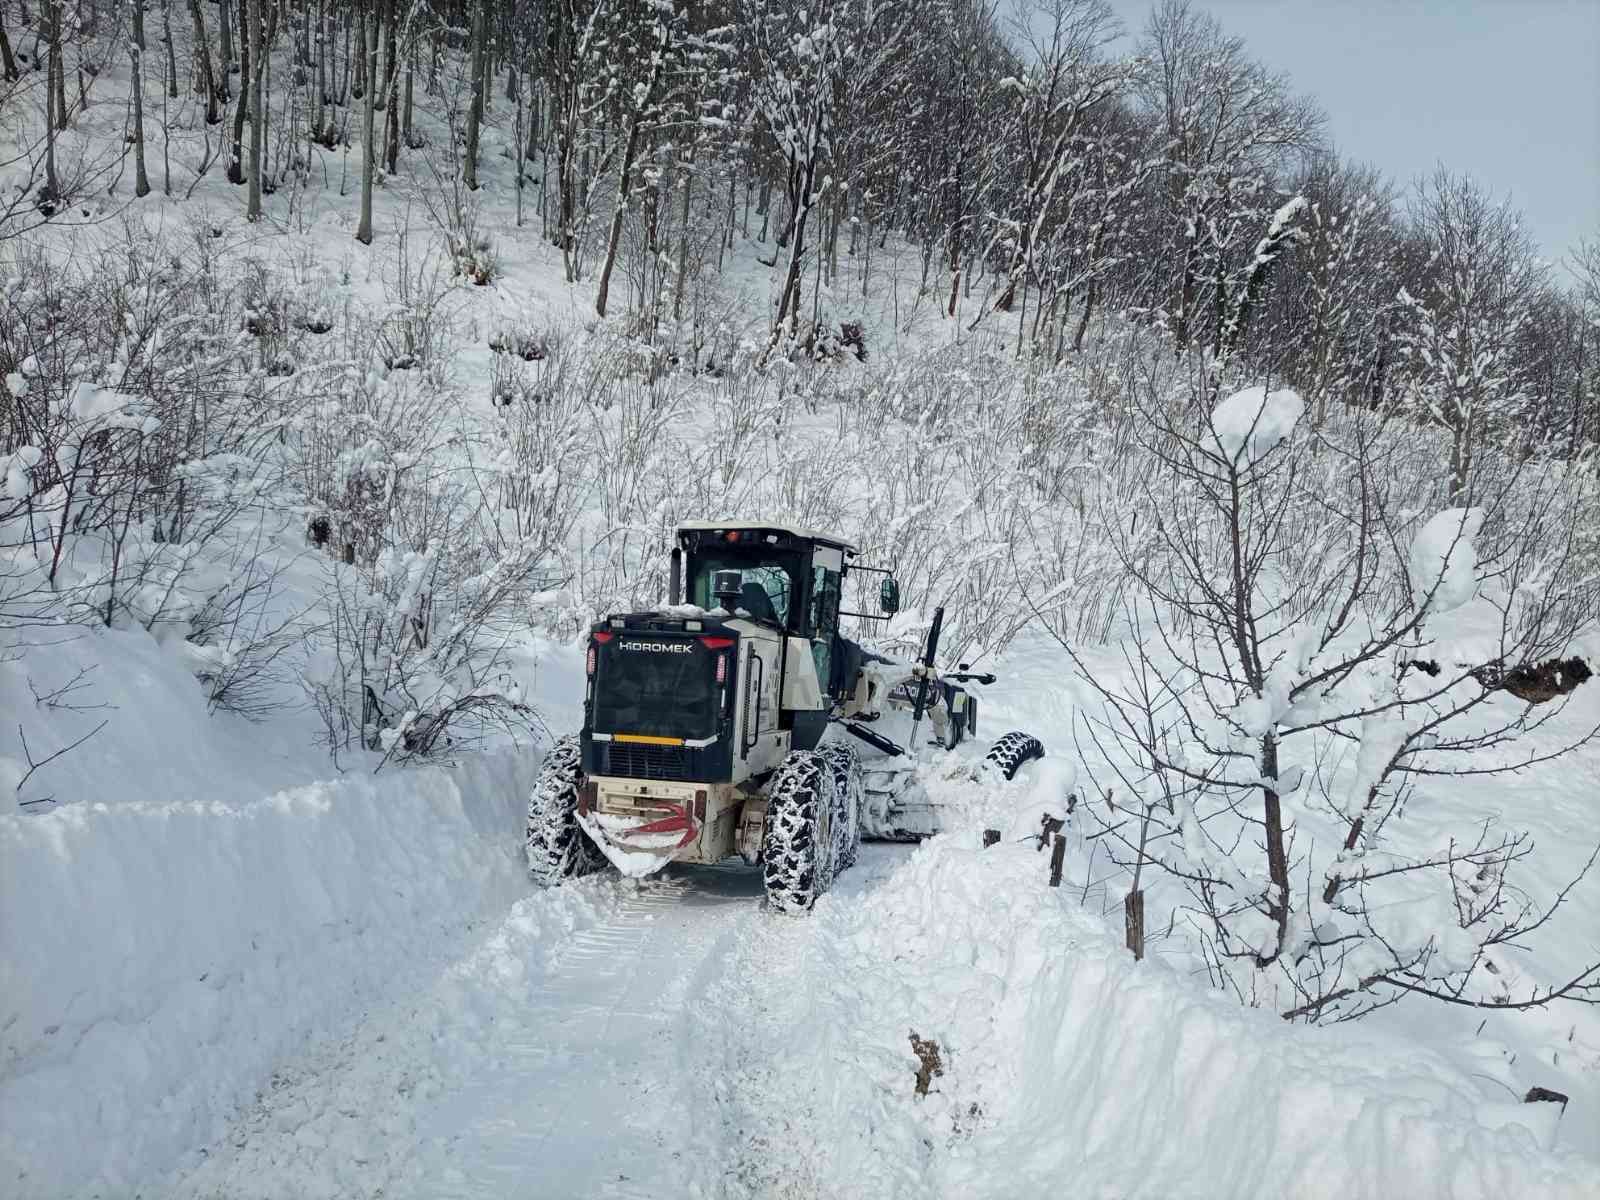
{"points": [[889, 595]]}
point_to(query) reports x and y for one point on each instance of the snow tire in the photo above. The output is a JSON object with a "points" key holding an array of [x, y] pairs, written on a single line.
{"points": [[557, 848], [1012, 750], [797, 844], [849, 797]]}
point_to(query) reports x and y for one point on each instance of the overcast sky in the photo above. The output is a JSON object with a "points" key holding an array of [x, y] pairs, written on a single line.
{"points": [[1506, 90]]}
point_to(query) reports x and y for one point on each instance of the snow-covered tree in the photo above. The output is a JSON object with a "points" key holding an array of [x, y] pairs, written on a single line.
{"points": [[1223, 125], [1474, 298], [1297, 681]]}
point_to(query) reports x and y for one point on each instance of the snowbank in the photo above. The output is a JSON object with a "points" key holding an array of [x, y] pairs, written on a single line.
{"points": [[1067, 1066], [158, 960]]}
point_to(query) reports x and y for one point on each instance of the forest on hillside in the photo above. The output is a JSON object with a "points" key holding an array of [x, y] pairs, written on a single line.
{"points": [[1045, 174]]}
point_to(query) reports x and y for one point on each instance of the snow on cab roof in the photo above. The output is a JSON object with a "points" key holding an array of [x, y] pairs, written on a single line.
{"points": [[831, 539]]}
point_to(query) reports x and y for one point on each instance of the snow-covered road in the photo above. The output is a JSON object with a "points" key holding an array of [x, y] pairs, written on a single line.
{"points": [[599, 1041]]}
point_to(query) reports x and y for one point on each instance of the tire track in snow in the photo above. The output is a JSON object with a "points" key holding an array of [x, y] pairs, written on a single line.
{"points": [[348, 1119], [567, 1054], [762, 1083], [584, 1101]]}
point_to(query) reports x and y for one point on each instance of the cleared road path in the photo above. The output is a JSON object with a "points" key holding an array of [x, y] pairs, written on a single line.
{"points": [[596, 1043]]}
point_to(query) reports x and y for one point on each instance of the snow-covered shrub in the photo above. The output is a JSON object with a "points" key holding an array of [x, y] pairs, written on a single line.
{"points": [[440, 539], [540, 445], [241, 637], [417, 331], [139, 436], [410, 653]]}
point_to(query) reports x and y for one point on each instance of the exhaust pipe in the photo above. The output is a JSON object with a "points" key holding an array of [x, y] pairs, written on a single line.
{"points": [[675, 577]]}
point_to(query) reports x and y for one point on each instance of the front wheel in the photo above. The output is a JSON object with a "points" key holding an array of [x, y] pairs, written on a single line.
{"points": [[849, 798], [796, 846], [1012, 750], [557, 848]]}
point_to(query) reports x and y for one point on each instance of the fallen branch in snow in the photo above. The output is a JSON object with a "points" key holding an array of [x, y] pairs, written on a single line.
{"points": [[1584, 988], [1535, 684], [62, 697], [931, 1063], [33, 766]]}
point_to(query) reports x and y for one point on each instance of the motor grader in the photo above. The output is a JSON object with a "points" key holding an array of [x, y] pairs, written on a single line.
{"points": [[726, 723]]}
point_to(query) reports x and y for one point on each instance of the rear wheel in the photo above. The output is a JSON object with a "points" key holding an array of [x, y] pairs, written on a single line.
{"points": [[850, 794], [1012, 750], [796, 845], [556, 847]]}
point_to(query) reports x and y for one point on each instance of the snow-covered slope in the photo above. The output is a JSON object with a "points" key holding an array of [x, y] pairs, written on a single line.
{"points": [[1066, 1065], [233, 965]]}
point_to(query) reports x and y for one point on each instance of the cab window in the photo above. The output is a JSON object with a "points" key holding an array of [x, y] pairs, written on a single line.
{"points": [[766, 592], [825, 589], [824, 621]]}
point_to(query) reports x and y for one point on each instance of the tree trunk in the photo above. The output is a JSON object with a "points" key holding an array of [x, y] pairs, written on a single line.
{"points": [[236, 162], [381, 14], [1088, 311], [369, 151], [1461, 449], [391, 97], [801, 189], [840, 199], [141, 180], [411, 72], [321, 84], [1186, 297], [172, 52], [225, 29], [258, 110], [566, 185], [480, 37], [50, 17], [521, 116], [58, 60], [360, 88], [1277, 854], [725, 242], [619, 210], [208, 76], [683, 239], [8, 64], [535, 122]]}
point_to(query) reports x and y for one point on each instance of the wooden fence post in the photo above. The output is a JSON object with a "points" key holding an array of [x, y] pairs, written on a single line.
{"points": [[1133, 917]]}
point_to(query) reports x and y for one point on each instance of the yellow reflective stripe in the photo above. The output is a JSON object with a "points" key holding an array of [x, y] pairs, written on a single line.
{"points": [[647, 739]]}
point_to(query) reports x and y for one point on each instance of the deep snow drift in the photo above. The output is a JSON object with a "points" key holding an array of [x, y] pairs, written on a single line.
{"points": [[162, 959], [1066, 1065]]}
